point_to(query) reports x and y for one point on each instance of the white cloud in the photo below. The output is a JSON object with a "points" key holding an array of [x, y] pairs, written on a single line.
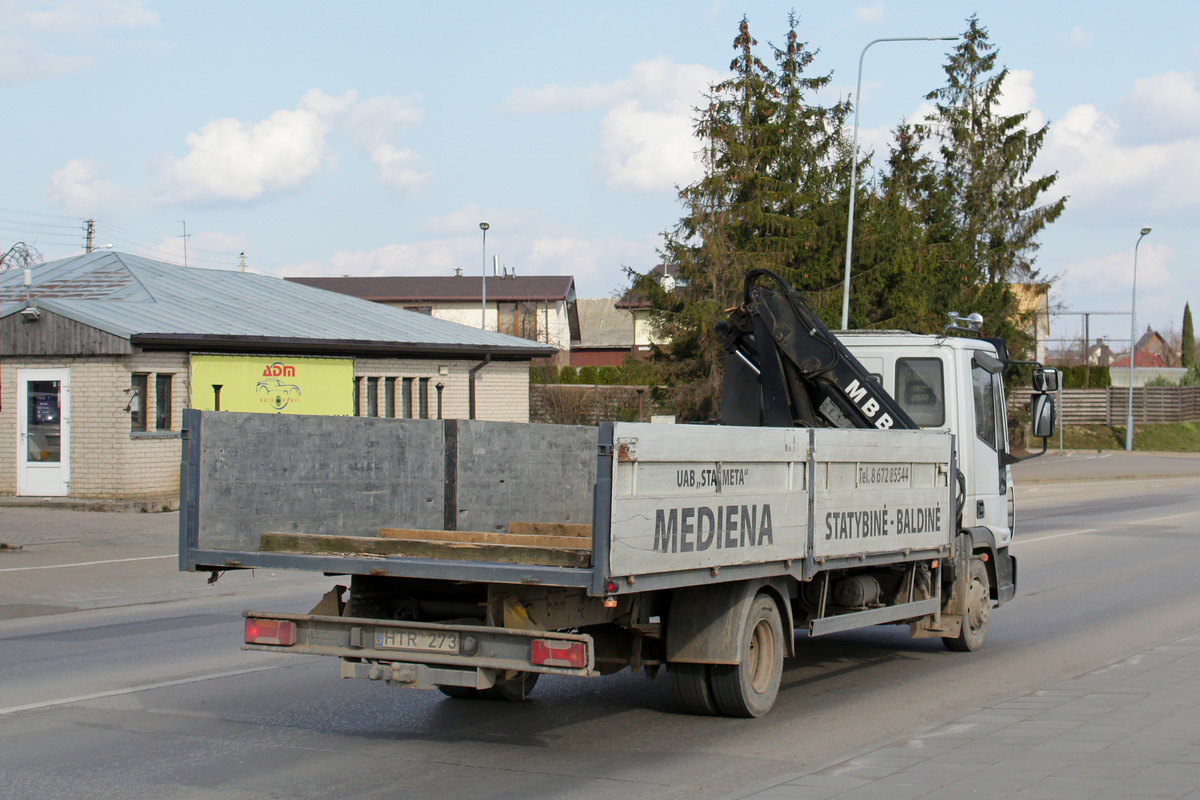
{"points": [[81, 18], [1017, 97], [25, 53], [646, 141], [228, 160], [1078, 37], [1142, 158], [81, 187], [869, 14], [374, 124], [1115, 272], [468, 218]]}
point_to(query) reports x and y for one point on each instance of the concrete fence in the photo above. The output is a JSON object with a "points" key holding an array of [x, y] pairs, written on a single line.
{"points": [[1109, 406]]}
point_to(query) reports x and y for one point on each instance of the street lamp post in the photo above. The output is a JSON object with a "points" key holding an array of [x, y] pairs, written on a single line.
{"points": [[854, 162], [483, 226], [1132, 345]]}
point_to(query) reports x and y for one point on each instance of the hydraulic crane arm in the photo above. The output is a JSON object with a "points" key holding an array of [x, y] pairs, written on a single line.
{"points": [[784, 368]]}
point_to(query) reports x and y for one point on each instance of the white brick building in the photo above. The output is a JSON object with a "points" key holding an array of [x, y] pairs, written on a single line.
{"points": [[98, 364]]}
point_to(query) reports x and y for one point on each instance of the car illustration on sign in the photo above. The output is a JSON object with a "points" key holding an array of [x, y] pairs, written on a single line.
{"points": [[278, 393]]}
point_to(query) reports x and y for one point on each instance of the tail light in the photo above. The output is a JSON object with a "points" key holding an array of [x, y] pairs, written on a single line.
{"points": [[270, 631], [553, 653]]}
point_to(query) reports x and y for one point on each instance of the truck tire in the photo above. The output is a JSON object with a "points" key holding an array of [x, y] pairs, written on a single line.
{"points": [[517, 688], [693, 687], [975, 612], [749, 689]]}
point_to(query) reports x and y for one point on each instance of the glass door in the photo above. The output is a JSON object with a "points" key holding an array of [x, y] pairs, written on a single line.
{"points": [[43, 432]]}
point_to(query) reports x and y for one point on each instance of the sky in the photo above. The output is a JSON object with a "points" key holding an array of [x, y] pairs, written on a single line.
{"points": [[372, 138]]}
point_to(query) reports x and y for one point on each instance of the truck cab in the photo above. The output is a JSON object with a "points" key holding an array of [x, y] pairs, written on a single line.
{"points": [[954, 385]]}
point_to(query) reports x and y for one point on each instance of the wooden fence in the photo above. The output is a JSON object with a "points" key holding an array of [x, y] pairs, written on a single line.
{"points": [[1109, 406]]}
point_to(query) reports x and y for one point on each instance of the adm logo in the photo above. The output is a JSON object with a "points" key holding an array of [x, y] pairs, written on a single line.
{"points": [[274, 391]]}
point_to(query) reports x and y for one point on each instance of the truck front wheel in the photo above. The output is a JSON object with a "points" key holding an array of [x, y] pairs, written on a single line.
{"points": [[749, 689], [975, 612]]}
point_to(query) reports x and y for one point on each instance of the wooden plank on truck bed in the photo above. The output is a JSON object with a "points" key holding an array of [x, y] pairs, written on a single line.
{"points": [[551, 529], [456, 551], [486, 537]]}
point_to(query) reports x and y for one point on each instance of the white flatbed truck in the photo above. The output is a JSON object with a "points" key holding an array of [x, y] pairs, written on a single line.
{"points": [[480, 555]]}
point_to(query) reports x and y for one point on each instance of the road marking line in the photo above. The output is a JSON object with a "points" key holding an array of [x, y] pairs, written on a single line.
{"points": [[1108, 528], [134, 689], [87, 563]]}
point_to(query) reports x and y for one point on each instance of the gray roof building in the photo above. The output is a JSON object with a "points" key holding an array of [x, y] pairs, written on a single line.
{"points": [[155, 305], [451, 288]]}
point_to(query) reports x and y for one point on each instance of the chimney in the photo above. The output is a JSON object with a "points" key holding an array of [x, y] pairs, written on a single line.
{"points": [[458, 272]]}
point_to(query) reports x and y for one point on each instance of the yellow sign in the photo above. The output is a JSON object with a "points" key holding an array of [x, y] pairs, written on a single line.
{"points": [[280, 385]]}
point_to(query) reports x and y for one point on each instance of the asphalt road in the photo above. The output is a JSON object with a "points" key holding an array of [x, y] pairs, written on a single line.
{"points": [[158, 700]]}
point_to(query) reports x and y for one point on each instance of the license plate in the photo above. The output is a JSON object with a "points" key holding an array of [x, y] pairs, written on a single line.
{"points": [[420, 641]]}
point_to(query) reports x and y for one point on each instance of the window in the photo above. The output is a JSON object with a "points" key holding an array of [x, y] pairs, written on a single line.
{"points": [[919, 390], [406, 399], [162, 402], [389, 397], [426, 310], [139, 389], [518, 319], [983, 390], [372, 397], [216, 397], [423, 398], [357, 398]]}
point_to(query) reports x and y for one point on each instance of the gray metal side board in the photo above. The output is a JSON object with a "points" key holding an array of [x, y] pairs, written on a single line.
{"points": [[861, 619], [484, 572]]}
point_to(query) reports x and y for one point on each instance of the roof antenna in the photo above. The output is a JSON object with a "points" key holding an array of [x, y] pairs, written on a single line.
{"points": [[185, 238]]}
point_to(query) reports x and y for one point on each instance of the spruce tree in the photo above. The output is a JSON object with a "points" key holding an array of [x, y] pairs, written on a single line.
{"points": [[987, 211], [764, 201]]}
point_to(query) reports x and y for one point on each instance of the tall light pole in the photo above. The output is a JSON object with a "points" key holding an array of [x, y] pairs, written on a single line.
{"points": [[854, 162], [483, 226], [1132, 344]]}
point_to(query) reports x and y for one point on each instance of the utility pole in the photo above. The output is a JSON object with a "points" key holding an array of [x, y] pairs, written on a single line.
{"points": [[91, 233], [185, 238], [243, 257]]}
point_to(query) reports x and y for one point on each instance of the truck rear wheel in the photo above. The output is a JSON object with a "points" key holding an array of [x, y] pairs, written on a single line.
{"points": [[749, 689], [693, 687], [975, 612]]}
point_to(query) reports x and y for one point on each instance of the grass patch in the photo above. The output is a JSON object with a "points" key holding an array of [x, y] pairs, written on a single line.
{"points": [[1178, 437]]}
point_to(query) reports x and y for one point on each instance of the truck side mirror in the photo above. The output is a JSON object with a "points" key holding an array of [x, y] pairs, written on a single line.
{"points": [[1045, 379], [1041, 412]]}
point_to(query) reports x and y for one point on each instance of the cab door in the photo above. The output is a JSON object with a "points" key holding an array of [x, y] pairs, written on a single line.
{"points": [[987, 481]]}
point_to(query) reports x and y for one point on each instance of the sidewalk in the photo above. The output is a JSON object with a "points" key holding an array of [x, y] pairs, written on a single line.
{"points": [[1107, 465], [1127, 730]]}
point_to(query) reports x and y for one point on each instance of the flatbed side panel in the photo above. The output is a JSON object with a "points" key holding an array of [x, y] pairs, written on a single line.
{"points": [[688, 497], [344, 476], [522, 472], [881, 492], [244, 475], [719, 497]]}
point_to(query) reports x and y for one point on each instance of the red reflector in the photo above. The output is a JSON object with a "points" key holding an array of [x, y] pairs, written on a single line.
{"points": [[270, 631], [553, 653]]}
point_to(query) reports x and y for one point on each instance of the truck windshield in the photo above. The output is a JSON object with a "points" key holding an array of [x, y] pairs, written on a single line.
{"points": [[919, 390]]}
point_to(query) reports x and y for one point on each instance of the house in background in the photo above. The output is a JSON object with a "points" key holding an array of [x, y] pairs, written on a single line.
{"points": [[540, 308], [97, 365], [1152, 359], [638, 306], [606, 334], [1033, 299], [1100, 354]]}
